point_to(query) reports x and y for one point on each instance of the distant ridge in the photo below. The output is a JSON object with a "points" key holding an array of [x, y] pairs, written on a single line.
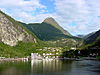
{"points": [[92, 37]]}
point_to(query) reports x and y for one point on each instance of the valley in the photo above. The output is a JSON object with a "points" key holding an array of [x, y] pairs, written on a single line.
{"points": [[18, 39]]}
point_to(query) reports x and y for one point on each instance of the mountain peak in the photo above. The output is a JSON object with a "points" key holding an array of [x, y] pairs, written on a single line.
{"points": [[49, 18], [52, 21]]}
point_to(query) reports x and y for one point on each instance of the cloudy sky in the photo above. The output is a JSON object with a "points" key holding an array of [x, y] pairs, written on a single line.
{"points": [[76, 16]]}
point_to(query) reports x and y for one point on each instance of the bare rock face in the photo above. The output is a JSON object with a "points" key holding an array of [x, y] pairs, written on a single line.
{"points": [[11, 34]]}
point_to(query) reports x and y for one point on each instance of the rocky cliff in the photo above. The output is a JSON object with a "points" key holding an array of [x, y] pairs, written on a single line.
{"points": [[11, 32]]}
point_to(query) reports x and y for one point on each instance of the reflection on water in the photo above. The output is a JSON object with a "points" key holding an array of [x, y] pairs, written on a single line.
{"points": [[14, 68], [46, 66], [50, 67]]}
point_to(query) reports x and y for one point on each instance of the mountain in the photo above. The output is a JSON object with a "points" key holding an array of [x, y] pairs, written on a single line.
{"points": [[92, 37], [85, 36], [49, 29], [52, 22], [88, 35], [80, 36], [92, 42], [19, 39], [92, 45], [12, 32]]}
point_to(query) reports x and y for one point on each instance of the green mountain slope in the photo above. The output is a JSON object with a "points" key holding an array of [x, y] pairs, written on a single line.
{"points": [[92, 42], [92, 38], [48, 30], [19, 39], [15, 39], [53, 22]]}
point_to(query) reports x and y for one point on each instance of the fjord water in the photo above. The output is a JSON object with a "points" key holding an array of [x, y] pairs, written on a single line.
{"points": [[51, 67]]}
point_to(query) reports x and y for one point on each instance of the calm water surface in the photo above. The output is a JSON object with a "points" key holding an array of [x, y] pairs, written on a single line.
{"points": [[51, 67]]}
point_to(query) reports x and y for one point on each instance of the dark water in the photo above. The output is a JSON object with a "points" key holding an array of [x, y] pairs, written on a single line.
{"points": [[51, 67]]}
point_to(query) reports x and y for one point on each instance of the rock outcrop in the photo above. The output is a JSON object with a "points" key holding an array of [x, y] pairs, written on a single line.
{"points": [[11, 32]]}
